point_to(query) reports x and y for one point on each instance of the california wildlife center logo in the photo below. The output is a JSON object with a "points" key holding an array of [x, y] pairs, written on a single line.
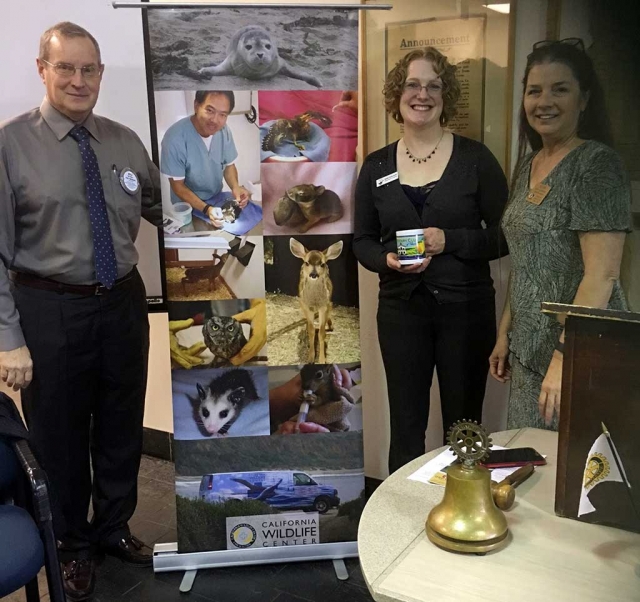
{"points": [[243, 536], [597, 469]]}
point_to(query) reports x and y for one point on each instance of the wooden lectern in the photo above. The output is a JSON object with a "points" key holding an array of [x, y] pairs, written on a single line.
{"points": [[600, 384]]}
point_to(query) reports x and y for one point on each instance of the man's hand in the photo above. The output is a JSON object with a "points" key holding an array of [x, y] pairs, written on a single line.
{"points": [[241, 195], [289, 428], [16, 368], [348, 100], [342, 378], [182, 356], [256, 315], [216, 221]]}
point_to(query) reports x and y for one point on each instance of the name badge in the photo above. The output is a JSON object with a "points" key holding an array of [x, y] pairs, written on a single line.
{"points": [[129, 181], [538, 193], [390, 178]]}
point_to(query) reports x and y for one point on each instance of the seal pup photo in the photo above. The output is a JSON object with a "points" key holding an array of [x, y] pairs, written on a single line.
{"points": [[253, 54], [255, 49]]}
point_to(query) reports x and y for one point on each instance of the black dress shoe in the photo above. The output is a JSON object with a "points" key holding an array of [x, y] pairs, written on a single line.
{"points": [[131, 551], [79, 579]]}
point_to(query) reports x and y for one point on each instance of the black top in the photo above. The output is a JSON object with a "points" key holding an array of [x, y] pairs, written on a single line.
{"points": [[418, 194], [466, 203]]}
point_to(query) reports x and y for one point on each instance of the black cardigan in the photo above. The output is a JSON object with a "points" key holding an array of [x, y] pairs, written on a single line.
{"points": [[472, 190]]}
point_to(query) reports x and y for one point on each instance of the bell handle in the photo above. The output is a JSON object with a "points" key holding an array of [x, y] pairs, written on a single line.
{"points": [[519, 476]]}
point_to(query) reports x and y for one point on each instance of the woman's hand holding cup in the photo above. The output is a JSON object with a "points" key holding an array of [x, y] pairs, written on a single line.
{"points": [[415, 268], [434, 240], [411, 257]]}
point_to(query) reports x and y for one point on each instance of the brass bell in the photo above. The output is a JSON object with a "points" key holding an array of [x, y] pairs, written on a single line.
{"points": [[467, 519]]}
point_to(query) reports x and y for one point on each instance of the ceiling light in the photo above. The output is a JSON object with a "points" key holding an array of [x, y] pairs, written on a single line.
{"points": [[499, 8]]}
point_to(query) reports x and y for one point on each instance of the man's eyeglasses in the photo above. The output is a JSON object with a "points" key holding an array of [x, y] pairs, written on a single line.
{"points": [[576, 42], [434, 88], [68, 70]]}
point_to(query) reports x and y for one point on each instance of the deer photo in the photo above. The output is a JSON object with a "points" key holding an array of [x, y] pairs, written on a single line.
{"points": [[194, 275], [314, 292]]}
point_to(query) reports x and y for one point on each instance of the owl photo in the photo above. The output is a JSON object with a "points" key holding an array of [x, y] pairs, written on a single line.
{"points": [[224, 337], [215, 334]]}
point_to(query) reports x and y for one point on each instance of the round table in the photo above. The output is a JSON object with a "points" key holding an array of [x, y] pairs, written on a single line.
{"points": [[547, 559]]}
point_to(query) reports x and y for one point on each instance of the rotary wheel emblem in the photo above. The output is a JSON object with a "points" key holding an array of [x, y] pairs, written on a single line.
{"points": [[469, 441]]}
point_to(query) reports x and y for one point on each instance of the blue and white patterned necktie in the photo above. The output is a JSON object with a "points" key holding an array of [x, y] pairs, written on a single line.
{"points": [[104, 253]]}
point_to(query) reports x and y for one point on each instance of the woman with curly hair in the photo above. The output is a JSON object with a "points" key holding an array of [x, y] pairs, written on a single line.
{"points": [[439, 313]]}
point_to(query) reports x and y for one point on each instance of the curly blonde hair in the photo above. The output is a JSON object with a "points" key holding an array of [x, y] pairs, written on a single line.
{"points": [[394, 84]]}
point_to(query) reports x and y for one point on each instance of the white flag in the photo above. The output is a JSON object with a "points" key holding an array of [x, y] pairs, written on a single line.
{"points": [[600, 467]]}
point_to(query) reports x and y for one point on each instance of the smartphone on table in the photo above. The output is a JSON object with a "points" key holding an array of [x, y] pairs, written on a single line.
{"points": [[519, 456]]}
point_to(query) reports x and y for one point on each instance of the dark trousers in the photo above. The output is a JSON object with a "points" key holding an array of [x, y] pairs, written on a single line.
{"points": [[85, 405], [419, 334]]}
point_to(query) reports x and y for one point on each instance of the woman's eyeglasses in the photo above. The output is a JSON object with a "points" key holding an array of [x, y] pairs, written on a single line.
{"points": [[433, 88], [575, 42]]}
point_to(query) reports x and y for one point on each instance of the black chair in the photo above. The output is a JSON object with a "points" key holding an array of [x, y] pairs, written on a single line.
{"points": [[26, 525]]}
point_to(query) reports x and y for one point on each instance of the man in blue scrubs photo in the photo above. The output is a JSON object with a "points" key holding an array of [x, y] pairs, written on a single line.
{"points": [[199, 151]]}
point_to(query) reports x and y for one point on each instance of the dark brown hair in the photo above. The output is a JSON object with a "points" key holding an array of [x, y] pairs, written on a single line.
{"points": [[396, 78], [593, 124]]}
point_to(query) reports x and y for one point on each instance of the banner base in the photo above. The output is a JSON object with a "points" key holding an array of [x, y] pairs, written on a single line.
{"points": [[166, 557]]}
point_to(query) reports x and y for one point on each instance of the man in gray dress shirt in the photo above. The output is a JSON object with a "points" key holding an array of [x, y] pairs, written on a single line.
{"points": [[74, 333]]}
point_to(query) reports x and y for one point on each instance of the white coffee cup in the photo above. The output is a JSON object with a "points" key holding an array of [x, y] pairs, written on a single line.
{"points": [[411, 248]]}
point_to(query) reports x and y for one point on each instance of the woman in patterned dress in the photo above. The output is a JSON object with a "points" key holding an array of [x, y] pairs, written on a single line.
{"points": [[565, 225]]}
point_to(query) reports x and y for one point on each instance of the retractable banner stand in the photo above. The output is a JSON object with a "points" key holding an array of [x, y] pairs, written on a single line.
{"points": [[260, 104]]}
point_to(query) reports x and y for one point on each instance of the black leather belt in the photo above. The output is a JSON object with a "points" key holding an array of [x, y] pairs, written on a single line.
{"points": [[46, 284]]}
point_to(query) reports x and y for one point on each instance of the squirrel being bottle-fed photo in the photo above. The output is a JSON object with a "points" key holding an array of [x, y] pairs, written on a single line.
{"points": [[323, 401]]}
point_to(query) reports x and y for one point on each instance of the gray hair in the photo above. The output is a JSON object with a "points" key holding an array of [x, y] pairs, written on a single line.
{"points": [[64, 29]]}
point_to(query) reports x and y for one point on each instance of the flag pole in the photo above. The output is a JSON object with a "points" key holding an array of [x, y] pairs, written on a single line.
{"points": [[625, 480]]}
